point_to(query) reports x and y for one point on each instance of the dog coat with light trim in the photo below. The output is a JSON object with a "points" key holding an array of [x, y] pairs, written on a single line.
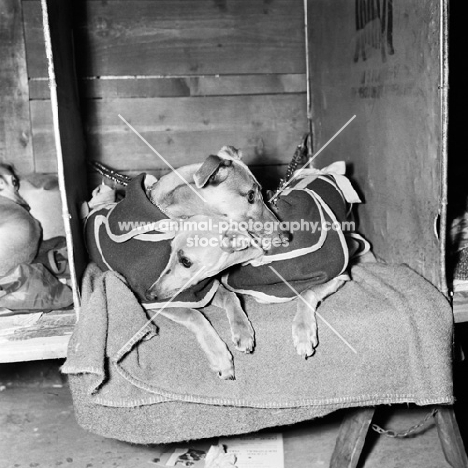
{"points": [[116, 241], [313, 256]]}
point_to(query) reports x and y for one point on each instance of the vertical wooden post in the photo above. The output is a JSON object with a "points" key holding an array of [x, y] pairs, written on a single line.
{"points": [[450, 438], [15, 126], [351, 438], [57, 18]]}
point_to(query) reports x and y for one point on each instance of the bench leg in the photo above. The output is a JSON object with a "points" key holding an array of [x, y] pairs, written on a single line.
{"points": [[351, 438], [450, 438]]}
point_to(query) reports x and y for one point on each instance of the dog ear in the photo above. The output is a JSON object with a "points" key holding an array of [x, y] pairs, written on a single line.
{"points": [[212, 171], [229, 152]]}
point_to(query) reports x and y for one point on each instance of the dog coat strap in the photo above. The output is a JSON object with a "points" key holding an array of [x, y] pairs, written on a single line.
{"points": [[99, 220], [338, 229], [195, 303], [337, 170]]}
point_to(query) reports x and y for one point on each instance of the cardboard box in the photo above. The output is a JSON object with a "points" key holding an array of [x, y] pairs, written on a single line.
{"points": [[194, 77]]}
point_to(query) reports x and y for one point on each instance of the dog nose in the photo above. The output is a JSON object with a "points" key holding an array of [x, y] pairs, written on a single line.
{"points": [[150, 295], [285, 236]]}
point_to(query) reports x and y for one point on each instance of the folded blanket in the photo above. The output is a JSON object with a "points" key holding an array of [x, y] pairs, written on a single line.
{"points": [[399, 325]]}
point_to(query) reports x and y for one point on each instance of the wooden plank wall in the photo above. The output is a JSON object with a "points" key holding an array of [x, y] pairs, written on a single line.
{"points": [[15, 127], [380, 61], [190, 75]]}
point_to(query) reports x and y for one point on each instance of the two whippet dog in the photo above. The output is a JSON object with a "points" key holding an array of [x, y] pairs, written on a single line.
{"points": [[231, 193]]}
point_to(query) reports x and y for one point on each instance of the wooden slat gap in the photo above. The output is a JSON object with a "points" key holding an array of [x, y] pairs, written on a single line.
{"points": [[193, 96], [152, 77]]}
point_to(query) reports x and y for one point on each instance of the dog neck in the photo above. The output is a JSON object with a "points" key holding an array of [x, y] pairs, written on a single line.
{"points": [[14, 197]]}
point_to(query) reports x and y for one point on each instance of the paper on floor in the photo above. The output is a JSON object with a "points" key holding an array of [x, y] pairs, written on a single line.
{"points": [[250, 451], [256, 450]]}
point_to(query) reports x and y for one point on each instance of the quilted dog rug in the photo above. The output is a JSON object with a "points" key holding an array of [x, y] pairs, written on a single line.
{"points": [[150, 382]]}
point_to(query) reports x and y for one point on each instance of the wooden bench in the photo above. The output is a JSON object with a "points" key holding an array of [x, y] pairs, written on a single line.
{"points": [[355, 425]]}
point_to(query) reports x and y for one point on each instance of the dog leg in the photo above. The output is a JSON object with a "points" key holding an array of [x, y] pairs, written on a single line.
{"points": [[304, 327], [242, 333], [219, 357]]}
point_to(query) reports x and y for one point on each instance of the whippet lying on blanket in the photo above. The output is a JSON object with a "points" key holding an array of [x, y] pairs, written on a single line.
{"points": [[186, 263], [177, 272], [313, 265], [20, 233], [130, 254]]}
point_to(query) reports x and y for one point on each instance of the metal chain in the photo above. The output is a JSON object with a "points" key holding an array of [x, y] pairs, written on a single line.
{"points": [[109, 173], [403, 434], [299, 157]]}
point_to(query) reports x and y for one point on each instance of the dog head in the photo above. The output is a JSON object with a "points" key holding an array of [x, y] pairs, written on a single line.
{"points": [[9, 185], [231, 191], [197, 254]]}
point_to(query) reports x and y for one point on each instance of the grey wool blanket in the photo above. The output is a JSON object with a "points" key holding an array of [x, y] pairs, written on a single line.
{"points": [[149, 382]]}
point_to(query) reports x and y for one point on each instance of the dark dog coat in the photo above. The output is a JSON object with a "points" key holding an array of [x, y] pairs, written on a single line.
{"points": [[123, 237], [315, 254]]}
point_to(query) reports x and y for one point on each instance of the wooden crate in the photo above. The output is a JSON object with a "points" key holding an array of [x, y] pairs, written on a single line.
{"points": [[193, 75]]}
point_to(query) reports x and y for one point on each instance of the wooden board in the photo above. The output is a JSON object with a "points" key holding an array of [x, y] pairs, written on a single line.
{"points": [[15, 129], [223, 85], [386, 71], [351, 438], [45, 339], [183, 130], [450, 437], [35, 349], [178, 37], [67, 143]]}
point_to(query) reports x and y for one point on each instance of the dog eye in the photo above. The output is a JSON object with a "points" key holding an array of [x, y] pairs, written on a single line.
{"points": [[251, 197], [186, 263]]}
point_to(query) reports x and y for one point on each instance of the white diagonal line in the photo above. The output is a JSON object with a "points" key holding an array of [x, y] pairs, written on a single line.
{"points": [[312, 158], [161, 309], [160, 156], [310, 307]]}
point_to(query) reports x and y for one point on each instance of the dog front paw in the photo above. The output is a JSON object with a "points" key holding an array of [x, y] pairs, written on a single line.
{"points": [[243, 336], [227, 374], [226, 370], [305, 340], [221, 362]]}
